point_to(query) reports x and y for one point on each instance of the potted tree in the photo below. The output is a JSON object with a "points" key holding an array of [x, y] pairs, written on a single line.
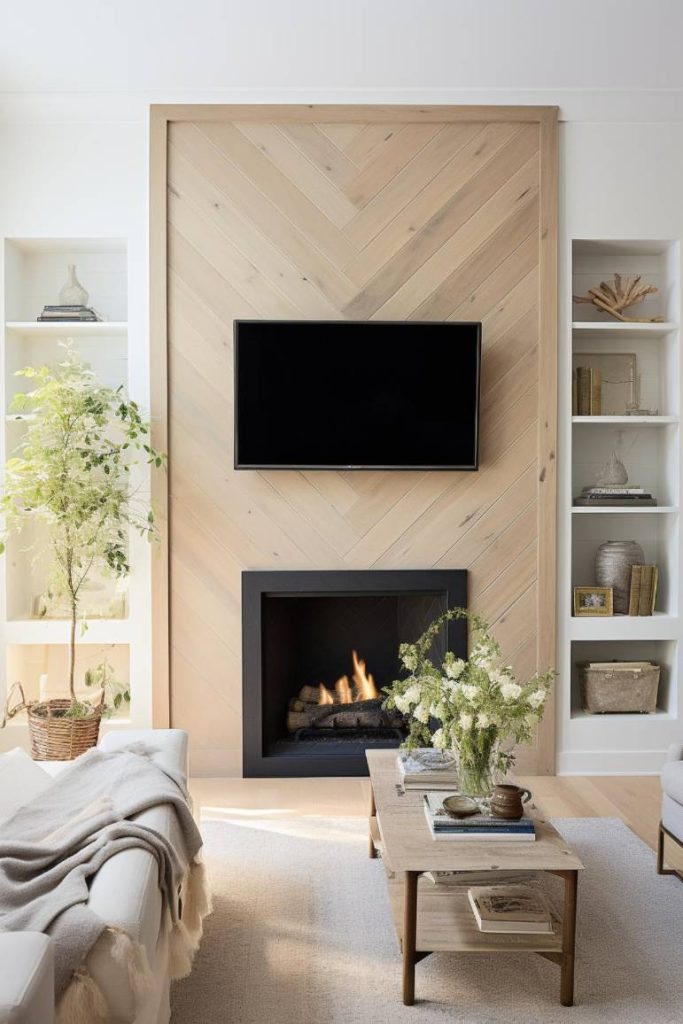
{"points": [[72, 473]]}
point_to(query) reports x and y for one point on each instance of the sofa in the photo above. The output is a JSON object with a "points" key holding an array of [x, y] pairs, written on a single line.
{"points": [[124, 893], [670, 845]]}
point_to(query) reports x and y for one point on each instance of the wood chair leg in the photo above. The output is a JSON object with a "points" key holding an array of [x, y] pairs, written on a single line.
{"points": [[372, 852], [568, 938], [409, 936], [660, 850]]}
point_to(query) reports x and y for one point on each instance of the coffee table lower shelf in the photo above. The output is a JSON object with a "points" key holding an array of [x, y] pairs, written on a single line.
{"points": [[445, 923]]}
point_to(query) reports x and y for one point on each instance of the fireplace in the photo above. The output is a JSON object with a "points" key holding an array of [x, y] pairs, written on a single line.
{"points": [[317, 648]]}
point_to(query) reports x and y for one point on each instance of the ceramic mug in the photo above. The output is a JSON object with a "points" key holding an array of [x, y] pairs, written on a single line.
{"points": [[507, 801]]}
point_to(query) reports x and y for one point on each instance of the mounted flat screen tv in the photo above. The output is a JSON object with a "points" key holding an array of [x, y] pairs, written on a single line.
{"points": [[349, 395]]}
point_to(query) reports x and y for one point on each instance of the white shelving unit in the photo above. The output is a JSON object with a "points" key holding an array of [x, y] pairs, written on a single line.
{"points": [[31, 648], [650, 447]]}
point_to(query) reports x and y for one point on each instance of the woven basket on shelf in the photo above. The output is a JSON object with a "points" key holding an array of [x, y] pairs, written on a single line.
{"points": [[54, 738]]}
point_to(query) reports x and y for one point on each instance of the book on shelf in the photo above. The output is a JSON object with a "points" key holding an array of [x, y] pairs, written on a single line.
{"points": [[517, 909], [68, 314], [427, 768], [633, 497], [588, 391], [476, 828], [643, 589]]}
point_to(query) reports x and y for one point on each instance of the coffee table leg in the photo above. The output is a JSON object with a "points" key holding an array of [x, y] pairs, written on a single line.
{"points": [[409, 936], [372, 852], [568, 938]]}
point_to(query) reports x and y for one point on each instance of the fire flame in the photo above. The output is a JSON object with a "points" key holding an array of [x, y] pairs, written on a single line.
{"points": [[325, 695], [343, 688], [364, 684]]}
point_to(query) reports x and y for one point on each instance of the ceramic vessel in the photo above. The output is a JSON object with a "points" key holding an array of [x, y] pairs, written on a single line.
{"points": [[73, 293], [613, 561], [507, 801]]}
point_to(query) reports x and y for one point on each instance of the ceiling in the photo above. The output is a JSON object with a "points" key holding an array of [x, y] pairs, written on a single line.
{"points": [[195, 47]]}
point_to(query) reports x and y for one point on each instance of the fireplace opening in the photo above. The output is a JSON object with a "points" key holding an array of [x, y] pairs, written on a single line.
{"points": [[318, 648]]}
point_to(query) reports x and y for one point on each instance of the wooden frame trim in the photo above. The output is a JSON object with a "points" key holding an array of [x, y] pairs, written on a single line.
{"points": [[158, 353], [547, 425], [547, 118], [342, 112]]}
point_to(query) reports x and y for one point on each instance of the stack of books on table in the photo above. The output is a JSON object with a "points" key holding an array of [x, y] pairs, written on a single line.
{"points": [[68, 314], [517, 909], [643, 593], [632, 497], [477, 828], [426, 768]]}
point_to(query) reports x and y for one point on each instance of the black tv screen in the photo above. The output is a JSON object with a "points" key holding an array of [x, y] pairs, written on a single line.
{"points": [[350, 395]]}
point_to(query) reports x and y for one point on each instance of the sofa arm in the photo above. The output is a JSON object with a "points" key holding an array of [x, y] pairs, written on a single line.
{"points": [[27, 986], [675, 752], [169, 746]]}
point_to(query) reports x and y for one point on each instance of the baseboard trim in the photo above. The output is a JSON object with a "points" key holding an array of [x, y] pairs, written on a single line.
{"points": [[611, 762]]}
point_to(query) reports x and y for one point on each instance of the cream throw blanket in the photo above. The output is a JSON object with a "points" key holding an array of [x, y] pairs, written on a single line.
{"points": [[50, 849]]}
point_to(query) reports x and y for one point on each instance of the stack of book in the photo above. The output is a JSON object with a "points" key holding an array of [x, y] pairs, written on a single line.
{"points": [[426, 768], [68, 314], [611, 494], [643, 592], [586, 391], [517, 909], [477, 828]]}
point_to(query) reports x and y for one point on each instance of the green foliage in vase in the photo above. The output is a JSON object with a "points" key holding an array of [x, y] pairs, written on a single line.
{"points": [[481, 709], [71, 472]]}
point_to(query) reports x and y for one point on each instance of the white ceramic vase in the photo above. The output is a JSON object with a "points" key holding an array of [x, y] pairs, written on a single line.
{"points": [[73, 293]]}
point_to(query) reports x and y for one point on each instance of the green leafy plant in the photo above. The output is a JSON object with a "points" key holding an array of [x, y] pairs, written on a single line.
{"points": [[477, 703], [102, 677], [72, 473]]}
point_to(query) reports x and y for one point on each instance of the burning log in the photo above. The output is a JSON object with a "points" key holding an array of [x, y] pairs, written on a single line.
{"points": [[365, 714]]}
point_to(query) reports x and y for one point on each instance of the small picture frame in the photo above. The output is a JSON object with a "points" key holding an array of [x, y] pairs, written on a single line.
{"points": [[593, 601]]}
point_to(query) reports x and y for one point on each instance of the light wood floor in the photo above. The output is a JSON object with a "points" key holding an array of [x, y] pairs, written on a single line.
{"points": [[634, 799]]}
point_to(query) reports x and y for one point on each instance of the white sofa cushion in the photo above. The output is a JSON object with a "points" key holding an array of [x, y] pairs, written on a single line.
{"points": [[26, 978], [21, 780], [672, 780]]}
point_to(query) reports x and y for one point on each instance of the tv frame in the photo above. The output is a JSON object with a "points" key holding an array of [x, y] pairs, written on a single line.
{"points": [[404, 468]]}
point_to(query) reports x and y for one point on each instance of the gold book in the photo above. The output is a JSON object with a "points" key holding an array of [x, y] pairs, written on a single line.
{"points": [[634, 592], [646, 574]]}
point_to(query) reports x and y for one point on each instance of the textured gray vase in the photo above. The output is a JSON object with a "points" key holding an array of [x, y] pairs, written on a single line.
{"points": [[613, 561]]}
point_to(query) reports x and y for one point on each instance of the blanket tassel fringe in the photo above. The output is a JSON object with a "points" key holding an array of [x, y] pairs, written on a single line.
{"points": [[83, 1001]]}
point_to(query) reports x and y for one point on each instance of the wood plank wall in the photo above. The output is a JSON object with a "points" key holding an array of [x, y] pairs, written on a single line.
{"points": [[365, 212]]}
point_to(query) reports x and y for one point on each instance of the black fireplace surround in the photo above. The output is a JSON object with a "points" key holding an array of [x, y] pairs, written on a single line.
{"points": [[299, 629]]}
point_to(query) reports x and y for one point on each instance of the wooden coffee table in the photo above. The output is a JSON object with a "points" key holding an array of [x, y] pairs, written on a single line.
{"points": [[431, 918]]}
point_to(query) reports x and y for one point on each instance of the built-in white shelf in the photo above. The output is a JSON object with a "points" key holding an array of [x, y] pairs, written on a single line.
{"points": [[613, 329], [56, 631], [61, 329], [582, 510], [622, 718], [659, 626], [625, 421]]}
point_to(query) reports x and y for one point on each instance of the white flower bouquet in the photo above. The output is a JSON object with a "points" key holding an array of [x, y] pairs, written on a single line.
{"points": [[480, 709]]}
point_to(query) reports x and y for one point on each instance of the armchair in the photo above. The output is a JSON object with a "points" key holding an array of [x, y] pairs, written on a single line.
{"points": [[670, 844]]}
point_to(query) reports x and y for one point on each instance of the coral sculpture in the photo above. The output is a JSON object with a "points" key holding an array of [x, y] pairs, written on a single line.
{"points": [[620, 295]]}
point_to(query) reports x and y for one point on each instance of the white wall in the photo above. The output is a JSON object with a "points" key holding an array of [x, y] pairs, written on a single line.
{"points": [[619, 178], [78, 181], [617, 181]]}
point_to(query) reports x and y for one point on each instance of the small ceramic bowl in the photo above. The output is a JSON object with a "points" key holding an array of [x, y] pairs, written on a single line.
{"points": [[460, 806]]}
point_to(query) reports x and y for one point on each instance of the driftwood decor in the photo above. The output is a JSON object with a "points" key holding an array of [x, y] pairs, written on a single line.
{"points": [[623, 293]]}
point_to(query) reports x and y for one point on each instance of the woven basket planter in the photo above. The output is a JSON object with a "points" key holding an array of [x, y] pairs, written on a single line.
{"points": [[53, 737], [619, 688]]}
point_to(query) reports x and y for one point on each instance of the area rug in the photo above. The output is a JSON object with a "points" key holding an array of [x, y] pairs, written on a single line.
{"points": [[302, 934]]}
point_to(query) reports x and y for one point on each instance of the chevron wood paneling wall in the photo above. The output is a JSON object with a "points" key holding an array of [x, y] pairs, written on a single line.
{"points": [[355, 213]]}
